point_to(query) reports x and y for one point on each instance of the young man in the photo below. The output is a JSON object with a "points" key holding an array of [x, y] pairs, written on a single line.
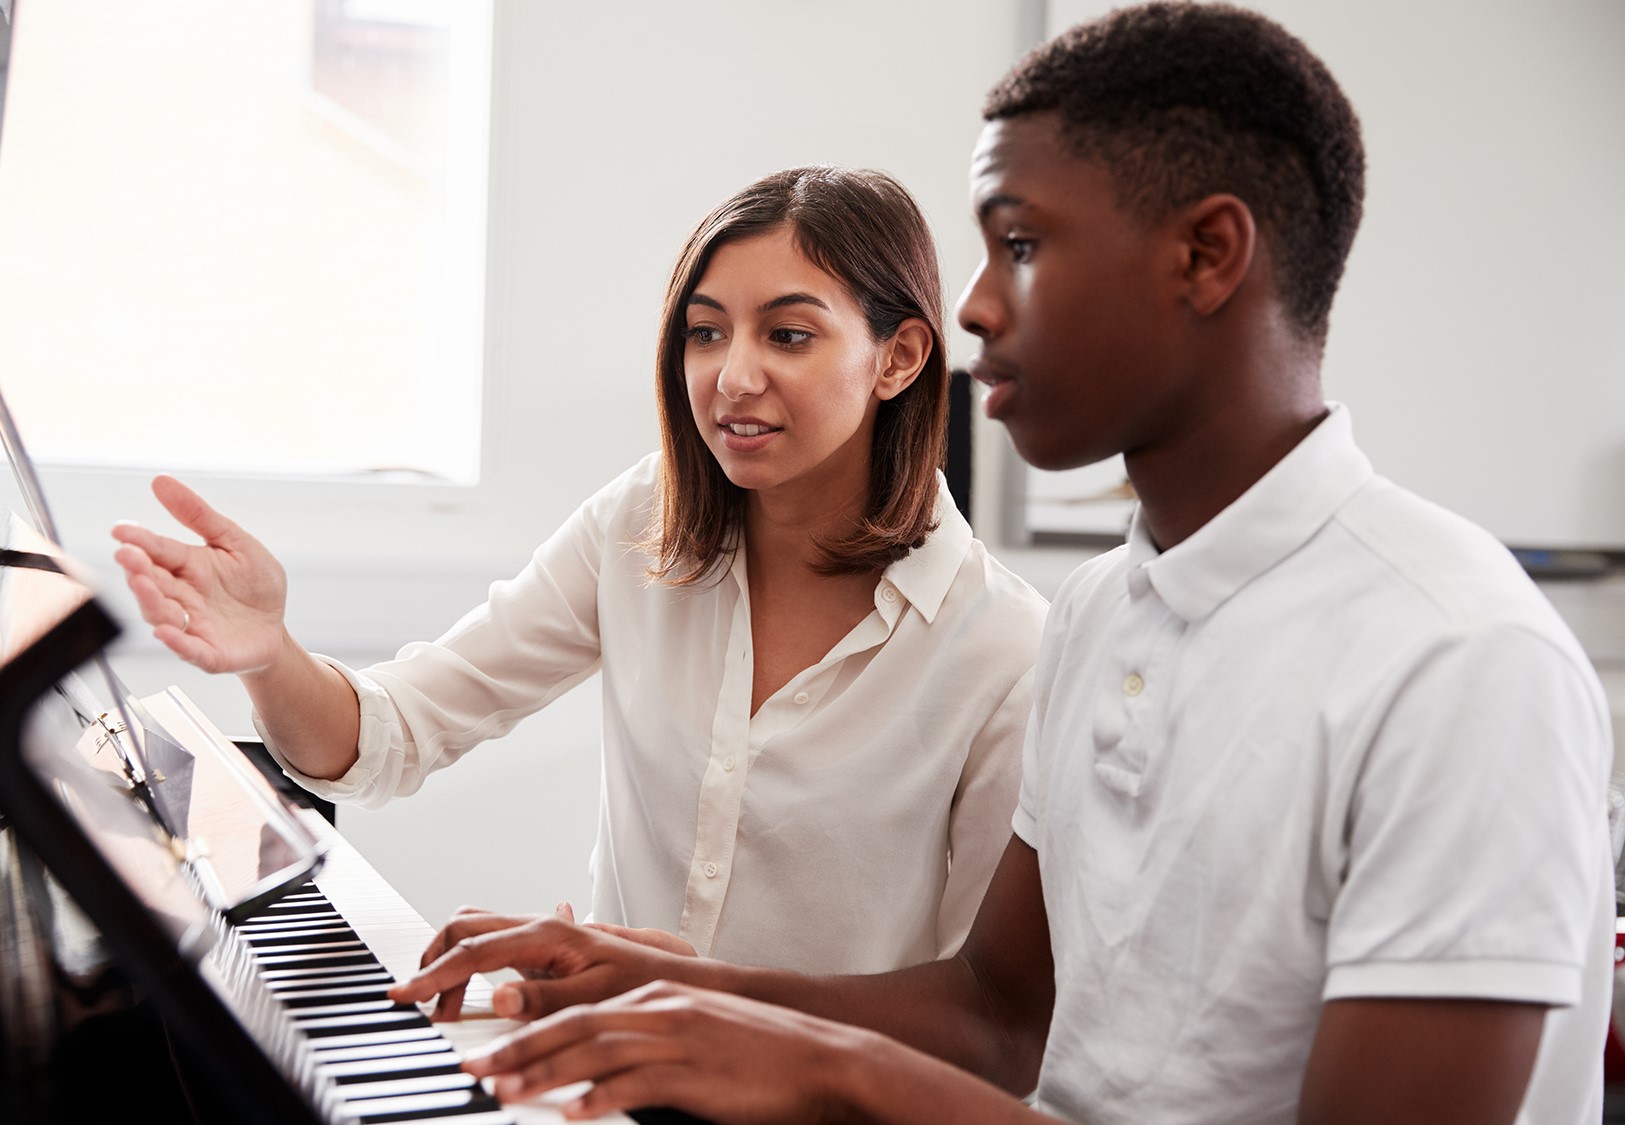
{"points": [[1313, 820]]}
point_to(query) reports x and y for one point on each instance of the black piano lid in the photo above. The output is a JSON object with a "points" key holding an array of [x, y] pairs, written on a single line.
{"points": [[143, 941]]}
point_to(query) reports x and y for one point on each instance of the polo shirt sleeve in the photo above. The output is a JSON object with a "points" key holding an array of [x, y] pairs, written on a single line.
{"points": [[1476, 827]]}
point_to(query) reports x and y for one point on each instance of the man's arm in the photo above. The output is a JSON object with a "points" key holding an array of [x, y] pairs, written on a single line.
{"points": [[1404, 1061], [733, 1060], [985, 1010]]}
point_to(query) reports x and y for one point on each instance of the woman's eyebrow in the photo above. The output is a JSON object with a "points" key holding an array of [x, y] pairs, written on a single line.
{"points": [[775, 303], [792, 299]]}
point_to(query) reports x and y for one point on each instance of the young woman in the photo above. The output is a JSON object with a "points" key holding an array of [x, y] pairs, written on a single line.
{"points": [[815, 680]]}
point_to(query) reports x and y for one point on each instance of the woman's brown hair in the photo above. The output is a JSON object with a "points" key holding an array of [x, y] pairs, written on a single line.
{"points": [[862, 228]]}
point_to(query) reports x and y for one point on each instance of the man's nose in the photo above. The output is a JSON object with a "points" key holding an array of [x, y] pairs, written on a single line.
{"points": [[978, 312]]}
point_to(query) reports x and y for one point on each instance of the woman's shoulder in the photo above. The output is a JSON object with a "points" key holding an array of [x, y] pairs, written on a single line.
{"points": [[630, 491], [1002, 585]]}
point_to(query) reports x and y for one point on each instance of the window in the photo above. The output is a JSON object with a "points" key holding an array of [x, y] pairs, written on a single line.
{"points": [[247, 237]]}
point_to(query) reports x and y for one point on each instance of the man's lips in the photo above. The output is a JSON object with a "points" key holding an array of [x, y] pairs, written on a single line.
{"points": [[991, 372], [1000, 381]]}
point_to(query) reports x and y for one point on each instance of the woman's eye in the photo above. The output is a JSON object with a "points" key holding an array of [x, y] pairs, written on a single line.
{"points": [[702, 334], [790, 337], [1020, 248]]}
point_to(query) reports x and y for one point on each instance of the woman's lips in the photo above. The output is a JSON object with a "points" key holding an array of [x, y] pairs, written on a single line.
{"points": [[747, 435]]}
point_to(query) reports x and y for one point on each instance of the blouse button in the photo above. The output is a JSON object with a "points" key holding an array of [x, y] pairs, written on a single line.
{"points": [[710, 870], [728, 764], [1134, 684], [802, 697], [889, 594]]}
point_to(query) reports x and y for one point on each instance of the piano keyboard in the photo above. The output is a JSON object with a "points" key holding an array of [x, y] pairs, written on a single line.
{"points": [[307, 975]]}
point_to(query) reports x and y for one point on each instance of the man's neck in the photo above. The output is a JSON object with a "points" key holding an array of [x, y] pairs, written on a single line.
{"points": [[1185, 482]]}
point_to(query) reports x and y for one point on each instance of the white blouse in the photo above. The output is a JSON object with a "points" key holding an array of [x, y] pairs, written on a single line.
{"points": [[851, 825]]}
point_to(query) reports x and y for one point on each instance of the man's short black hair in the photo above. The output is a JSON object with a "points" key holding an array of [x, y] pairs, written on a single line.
{"points": [[1183, 100]]}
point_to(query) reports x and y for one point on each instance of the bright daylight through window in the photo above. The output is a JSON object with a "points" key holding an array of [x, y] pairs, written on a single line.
{"points": [[247, 237]]}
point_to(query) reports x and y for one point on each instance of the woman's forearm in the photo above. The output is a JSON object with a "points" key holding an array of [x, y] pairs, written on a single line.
{"points": [[308, 710]]}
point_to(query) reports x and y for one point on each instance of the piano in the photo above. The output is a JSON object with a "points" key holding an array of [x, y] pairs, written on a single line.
{"points": [[265, 987]]}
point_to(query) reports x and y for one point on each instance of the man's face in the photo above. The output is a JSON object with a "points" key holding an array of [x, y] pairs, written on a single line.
{"points": [[1074, 302]]}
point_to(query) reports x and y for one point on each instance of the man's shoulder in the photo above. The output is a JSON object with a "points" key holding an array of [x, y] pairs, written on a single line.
{"points": [[1455, 572], [1089, 579]]}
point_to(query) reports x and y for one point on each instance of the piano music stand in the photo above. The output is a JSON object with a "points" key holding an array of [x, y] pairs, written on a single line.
{"points": [[200, 1024]]}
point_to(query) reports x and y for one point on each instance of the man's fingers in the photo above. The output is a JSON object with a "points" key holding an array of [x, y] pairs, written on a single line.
{"points": [[533, 999], [653, 938], [593, 1058], [505, 946], [192, 511], [449, 1004], [467, 922], [669, 1086]]}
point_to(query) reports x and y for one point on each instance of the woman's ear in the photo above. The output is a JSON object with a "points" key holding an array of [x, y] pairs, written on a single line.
{"points": [[903, 357], [1220, 239]]}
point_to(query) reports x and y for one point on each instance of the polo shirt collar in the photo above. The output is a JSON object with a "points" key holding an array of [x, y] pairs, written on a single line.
{"points": [[1281, 511], [924, 575]]}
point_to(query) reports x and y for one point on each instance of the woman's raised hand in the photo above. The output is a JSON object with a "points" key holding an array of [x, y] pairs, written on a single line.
{"points": [[218, 605]]}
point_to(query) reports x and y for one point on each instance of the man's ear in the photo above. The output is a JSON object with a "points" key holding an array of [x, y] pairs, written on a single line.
{"points": [[904, 356], [1219, 241]]}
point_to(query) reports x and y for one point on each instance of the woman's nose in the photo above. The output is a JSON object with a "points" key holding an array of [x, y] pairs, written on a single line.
{"points": [[741, 375]]}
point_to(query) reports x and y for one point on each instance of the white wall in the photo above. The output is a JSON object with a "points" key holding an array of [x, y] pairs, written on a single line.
{"points": [[615, 127], [1479, 333]]}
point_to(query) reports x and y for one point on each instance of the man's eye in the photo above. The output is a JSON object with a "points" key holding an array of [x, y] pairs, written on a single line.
{"points": [[1020, 248]]}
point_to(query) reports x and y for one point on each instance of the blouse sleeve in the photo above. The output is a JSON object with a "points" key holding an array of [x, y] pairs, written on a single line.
{"points": [[979, 823], [535, 637]]}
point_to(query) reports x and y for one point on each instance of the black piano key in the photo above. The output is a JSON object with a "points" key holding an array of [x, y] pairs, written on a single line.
{"points": [[320, 996], [345, 1007], [376, 1021], [318, 960], [379, 1036], [423, 1107], [426, 1069], [362, 1057], [355, 978], [312, 972], [477, 1114], [324, 1055], [294, 918], [310, 950], [404, 1065], [312, 935]]}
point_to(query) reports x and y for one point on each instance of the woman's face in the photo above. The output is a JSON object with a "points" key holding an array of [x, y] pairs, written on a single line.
{"points": [[783, 376]]}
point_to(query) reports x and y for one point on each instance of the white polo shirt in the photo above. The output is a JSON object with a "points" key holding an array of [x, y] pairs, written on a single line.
{"points": [[850, 825], [1334, 744]]}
